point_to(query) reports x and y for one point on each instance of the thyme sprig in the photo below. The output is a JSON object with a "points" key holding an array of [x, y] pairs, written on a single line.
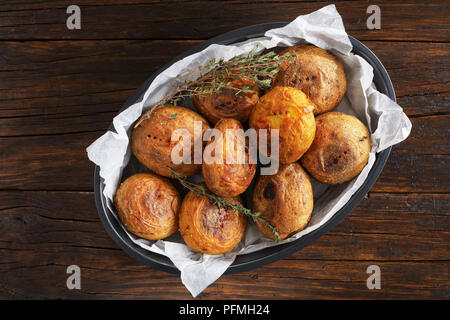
{"points": [[201, 191], [216, 75]]}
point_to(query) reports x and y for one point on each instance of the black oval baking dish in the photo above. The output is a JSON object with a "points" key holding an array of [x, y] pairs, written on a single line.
{"points": [[260, 258]]}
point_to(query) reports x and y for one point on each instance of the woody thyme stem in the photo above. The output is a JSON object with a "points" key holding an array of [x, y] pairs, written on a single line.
{"points": [[201, 191]]}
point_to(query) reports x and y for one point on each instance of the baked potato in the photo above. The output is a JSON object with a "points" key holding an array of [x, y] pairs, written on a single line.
{"points": [[319, 74], [228, 179], [226, 103], [289, 110], [208, 229], [152, 144], [285, 200], [340, 150], [148, 206]]}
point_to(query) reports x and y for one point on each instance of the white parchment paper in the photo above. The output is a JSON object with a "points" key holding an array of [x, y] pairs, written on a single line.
{"points": [[385, 119]]}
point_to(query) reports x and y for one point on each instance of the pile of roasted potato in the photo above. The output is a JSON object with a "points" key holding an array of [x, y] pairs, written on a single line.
{"points": [[332, 147]]}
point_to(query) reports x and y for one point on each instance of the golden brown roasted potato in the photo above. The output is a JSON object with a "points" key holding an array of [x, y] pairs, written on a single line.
{"points": [[227, 104], [289, 110], [285, 200], [151, 139], [319, 74], [228, 179], [148, 206], [206, 228], [340, 150]]}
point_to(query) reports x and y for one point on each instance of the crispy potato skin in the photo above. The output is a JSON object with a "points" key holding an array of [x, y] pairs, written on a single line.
{"points": [[206, 228], [151, 139], [340, 150], [319, 74], [285, 200], [148, 206], [226, 104], [289, 110], [228, 180]]}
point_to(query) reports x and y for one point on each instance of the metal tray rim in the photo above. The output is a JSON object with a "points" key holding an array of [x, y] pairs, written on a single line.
{"points": [[260, 258]]}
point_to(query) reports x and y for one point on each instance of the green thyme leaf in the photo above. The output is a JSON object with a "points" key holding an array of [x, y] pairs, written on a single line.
{"points": [[220, 202]]}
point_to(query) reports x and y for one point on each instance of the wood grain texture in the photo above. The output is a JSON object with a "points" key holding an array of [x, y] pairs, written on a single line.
{"points": [[402, 20], [48, 231], [60, 89], [43, 162]]}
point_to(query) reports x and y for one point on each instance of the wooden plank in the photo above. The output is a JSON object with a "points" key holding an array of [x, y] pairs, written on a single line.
{"points": [[64, 87], [338, 280], [46, 4], [419, 73], [56, 59], [41, 233], [59, 162], [427, 136], [394, 220], [77, 87], [60, 77], [298, 280], [52, 162], [410, 172], [388, 227], [430, 129], [401, 20]]}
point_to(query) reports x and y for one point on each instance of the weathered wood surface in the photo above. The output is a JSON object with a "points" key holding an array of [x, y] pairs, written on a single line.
{"points": [[59, 91], [405, 234], [402, 20], [59, 162], [55, 87]]}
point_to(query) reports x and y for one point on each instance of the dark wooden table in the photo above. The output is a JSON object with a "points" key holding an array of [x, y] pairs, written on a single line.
{"points": [[60, 89]]}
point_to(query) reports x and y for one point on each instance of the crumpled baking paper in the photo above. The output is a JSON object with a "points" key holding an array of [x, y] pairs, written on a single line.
{"points": [[385, 119]]}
